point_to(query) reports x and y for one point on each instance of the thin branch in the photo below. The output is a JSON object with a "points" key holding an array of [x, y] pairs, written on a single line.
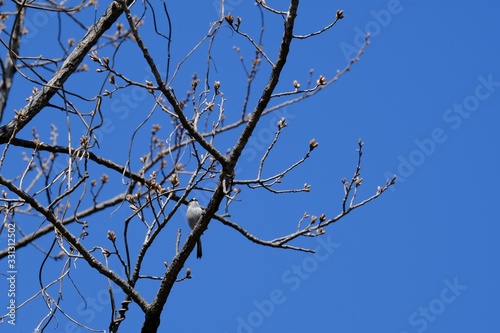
{"points": [[322, 83], [47, 229], [337, 18], [91, 260], [270, 86], [152, 318], [169, 92], [69, 66]]}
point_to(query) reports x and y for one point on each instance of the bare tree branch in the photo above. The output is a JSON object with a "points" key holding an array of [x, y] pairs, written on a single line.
{"points": [[66, 234], [167, 148], [9, 66], [69, 66]]}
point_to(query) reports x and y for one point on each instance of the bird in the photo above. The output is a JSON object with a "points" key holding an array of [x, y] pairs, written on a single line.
{"points": [[193, 215]]}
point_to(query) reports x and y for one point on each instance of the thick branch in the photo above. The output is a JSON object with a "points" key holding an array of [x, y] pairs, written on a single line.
{"points": [[9, 68], [172, 99], [271, 85], [69, 66], [66, 234], [152, 320]]}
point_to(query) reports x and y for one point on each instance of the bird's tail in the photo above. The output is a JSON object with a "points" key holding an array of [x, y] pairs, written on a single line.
{"points": [[198, 249]]}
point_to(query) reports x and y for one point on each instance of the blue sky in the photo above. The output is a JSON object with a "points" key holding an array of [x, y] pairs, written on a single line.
{"points": [[424, 98]]}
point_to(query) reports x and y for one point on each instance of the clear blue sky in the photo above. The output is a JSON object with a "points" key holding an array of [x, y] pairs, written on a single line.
{"points": [[425, 99]]}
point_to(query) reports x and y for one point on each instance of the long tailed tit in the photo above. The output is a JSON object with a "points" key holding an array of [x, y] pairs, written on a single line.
{"points": [[193, 215]]}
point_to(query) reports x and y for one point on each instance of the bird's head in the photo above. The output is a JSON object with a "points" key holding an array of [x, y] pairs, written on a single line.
{"points": [[193, 202]]}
